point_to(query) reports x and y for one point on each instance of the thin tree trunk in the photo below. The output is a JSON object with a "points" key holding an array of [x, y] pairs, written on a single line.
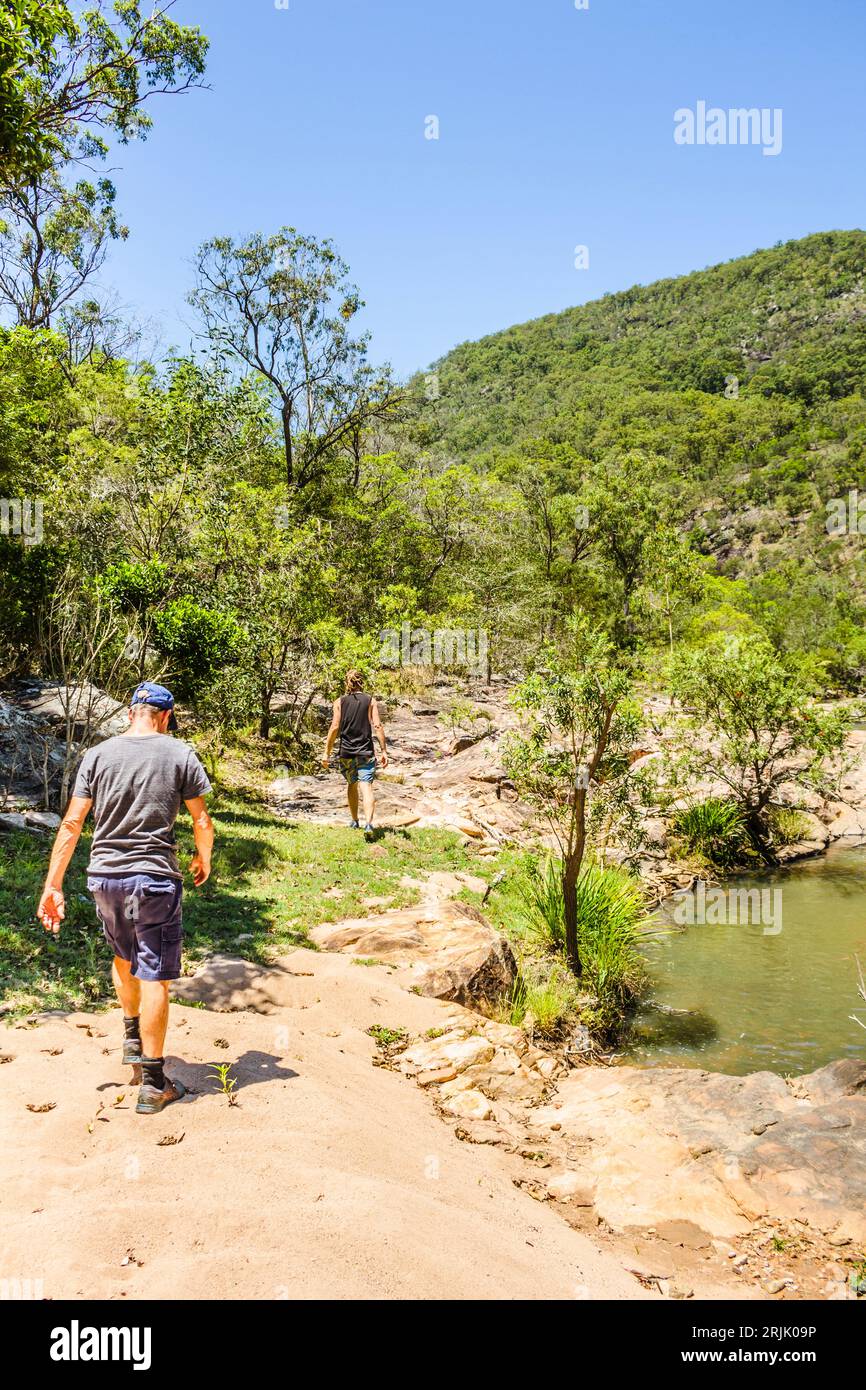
{"points": [[757, 833], [569, 903], [286, 416], [570, 873], [265, 716]]}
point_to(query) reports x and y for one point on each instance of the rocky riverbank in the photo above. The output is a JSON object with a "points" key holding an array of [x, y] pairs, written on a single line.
{"points": [[692, 1181]]}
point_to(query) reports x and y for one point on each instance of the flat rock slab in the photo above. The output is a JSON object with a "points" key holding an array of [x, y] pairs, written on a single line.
{"points": [[676, 1149]]}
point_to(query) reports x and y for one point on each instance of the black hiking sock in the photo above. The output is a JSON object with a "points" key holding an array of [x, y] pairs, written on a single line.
{"points": [[131, 1028], [152, 1073]]}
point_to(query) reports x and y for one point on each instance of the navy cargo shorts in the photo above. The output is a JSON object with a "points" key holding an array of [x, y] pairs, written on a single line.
{"points": [[142, 921]]}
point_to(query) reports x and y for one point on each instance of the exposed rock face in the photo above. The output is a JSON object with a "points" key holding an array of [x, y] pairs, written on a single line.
{"points": [[84, 708], [458, 781], [478, 1058], [35, 721], [648, 1147], [446, 948], [695, 1162], [691, 1157]]}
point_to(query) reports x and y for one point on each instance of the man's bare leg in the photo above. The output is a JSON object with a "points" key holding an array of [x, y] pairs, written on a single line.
{"points": [[157, 1089], [154, 1017], [369, 798], [353, 800], [126, 987]]}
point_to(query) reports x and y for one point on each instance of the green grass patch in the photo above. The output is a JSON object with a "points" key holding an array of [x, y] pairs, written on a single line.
{"points": [[789, 825], [266, 892]]}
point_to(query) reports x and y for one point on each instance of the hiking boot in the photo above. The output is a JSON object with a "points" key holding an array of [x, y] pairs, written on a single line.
{"points": [[151, 1099], [353, 825]]}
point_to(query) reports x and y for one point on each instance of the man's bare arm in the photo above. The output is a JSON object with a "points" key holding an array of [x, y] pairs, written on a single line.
{"points": [[332, 733], [52, 904], [202, 829], [379, 731]]}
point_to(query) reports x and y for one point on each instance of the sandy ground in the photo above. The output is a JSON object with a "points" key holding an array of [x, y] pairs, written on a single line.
{"points": [[330, 1177]]}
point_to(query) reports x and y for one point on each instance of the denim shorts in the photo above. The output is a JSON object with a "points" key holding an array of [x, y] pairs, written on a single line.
{"points": [[358, 769], [141, 918]]}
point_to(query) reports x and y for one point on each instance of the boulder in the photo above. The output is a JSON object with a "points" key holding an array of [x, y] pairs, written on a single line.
{"points": [[446, 948], [85, 708], [42, 820], [848, 822], [468, 1105], [453, 1051]]}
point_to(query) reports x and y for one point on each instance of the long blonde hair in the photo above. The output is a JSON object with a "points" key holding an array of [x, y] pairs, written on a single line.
{"points": [[354, 681]]}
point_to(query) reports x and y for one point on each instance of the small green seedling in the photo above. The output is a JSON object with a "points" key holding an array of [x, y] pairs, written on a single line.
{"points": [[225, 1080]]}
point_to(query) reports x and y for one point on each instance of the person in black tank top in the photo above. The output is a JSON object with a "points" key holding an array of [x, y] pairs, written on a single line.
{"points": [[356, 734], [355, 721]]}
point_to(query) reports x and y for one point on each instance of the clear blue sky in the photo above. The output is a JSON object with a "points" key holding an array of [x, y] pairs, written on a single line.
{"points": [[556, 128]]}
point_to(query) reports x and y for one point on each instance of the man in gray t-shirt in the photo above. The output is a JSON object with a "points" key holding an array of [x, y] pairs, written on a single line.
{"points": [[135, 784]]}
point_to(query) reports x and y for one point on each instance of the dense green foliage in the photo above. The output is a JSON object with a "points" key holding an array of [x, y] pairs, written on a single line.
{"points": [[590, 460]]}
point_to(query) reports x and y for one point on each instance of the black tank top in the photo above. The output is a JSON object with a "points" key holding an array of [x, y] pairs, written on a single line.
{"points": [[356, 735]]}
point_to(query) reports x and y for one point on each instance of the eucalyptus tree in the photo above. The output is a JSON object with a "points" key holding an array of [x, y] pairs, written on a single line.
{"points": [[282, 306], [53, 239], [69, 80]]}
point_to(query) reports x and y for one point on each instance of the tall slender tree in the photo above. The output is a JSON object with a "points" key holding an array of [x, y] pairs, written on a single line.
{"points": [[283, 307]]}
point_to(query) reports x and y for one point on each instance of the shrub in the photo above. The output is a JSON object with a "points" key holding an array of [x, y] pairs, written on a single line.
{"points": [[715, 830], [610, 910], [197, 641], [788, 825], [545, 992], [136, 585]]}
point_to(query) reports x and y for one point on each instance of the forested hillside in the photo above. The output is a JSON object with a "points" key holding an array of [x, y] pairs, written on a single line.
{"points": [[786, 322], [733, 394]]}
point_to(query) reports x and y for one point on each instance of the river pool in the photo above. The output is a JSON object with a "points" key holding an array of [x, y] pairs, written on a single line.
{"points": [[771, 993]]}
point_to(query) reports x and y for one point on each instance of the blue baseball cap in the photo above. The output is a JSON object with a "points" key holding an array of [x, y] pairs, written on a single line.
{"points": [[157, 697]]}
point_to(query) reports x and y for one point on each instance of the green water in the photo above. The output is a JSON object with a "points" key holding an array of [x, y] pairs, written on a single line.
{"points": [[759, 1000]]}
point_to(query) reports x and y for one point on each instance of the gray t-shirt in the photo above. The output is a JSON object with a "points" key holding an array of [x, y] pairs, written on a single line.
{"points": [[137, 783]]}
